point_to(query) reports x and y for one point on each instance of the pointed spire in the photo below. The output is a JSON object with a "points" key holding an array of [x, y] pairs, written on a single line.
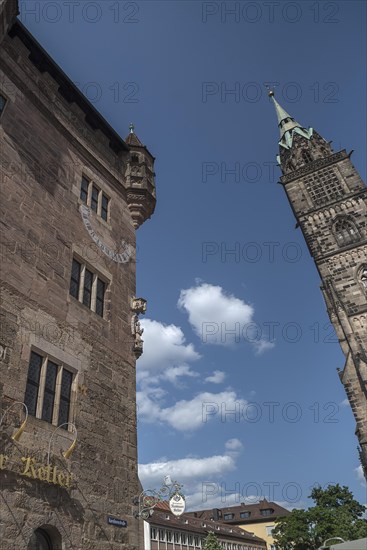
{"points": [[287, 125], [132, 138]]}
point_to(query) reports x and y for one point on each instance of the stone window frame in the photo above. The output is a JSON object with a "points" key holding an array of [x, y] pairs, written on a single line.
{"points": [[351, 222], [320, 189], [55, 358], [101, 195], [97, 276], [362, 277]]}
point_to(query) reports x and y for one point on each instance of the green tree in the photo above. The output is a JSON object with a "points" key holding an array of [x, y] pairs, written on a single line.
{"points": [[211, 543], [335, 514]]}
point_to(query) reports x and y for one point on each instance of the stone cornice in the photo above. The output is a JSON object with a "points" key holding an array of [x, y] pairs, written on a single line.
{"points": [[315, 165]]}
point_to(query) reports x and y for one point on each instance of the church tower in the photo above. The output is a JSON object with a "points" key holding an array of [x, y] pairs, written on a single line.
{"points": [[328, 198]]}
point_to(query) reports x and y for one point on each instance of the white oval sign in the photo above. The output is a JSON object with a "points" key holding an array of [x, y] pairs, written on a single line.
{"points": [[177, 504]]}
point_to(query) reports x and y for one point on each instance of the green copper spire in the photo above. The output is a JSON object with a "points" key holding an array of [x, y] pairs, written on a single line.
{"points": [[287, 125]]}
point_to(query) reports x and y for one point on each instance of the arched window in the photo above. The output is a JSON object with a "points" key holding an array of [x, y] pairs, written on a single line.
{"points": [[306, 157], [363, 277], [345, 232], [46, 537], [40, 541]]}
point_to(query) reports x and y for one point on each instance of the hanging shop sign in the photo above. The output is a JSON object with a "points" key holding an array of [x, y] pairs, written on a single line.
{"points": [[28, 467], [177, 504]]}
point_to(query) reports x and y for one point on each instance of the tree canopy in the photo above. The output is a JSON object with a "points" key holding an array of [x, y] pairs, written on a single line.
{"points": [[211, 543], [335, 514]]}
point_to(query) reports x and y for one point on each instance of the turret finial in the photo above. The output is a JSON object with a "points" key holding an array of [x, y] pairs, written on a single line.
{"points": [[131, 128], [270, 93]]}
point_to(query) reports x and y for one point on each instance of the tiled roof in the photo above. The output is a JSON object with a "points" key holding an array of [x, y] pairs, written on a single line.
{"points": [[162, 517], [253, 509], [132, 139]]}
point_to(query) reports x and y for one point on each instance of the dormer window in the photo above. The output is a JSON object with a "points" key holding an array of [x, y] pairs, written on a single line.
{"points": [[228, 516], [245, 515], [267, 512]]}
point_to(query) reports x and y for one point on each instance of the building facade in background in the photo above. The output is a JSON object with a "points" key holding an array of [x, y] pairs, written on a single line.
{"points": [[328, 199], [164, 531], [257, 519], [73, 194]]}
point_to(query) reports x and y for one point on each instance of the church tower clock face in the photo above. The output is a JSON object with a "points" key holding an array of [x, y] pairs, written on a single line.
{"points": [[127, 251]]}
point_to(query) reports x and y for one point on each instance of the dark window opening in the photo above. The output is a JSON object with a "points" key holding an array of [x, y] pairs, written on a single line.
{"points": [[94, 199], [75, 279], [267, 512], [33, 380], [65, 396], [49, 393], [87, 291], [84, 190], [104, 209], [306, 157], [245, 515], [2, 103], [101, 289], [134, 158]]}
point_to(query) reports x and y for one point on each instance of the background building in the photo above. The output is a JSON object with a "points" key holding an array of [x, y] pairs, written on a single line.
{"points": [[73, 194], [328, 198], [188, 532], [258, 518]]}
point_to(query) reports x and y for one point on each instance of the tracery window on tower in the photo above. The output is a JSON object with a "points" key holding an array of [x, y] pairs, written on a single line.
{"points": [[345, 231], [323, 186], [306, 156], [363, 277]]}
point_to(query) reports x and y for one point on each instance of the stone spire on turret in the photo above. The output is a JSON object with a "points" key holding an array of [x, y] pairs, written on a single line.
{"points": [[287, 125]]}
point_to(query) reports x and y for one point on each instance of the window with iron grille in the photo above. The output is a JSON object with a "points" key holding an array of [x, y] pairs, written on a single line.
{"points": [[323, 186], [48, 393], [87, 287], [95, 198]]}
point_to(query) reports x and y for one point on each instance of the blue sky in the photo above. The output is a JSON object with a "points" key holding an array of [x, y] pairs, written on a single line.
{"points": [[191, 75]]}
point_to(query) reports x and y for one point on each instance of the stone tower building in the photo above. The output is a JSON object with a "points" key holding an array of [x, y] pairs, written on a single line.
{"points": [[73, 193], [328, 199]]}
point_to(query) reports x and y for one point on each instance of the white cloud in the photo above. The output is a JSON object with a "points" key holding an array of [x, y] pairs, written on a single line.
{"points": [[220, 318], [216, 316], [360, 475], [165, 350], [185, 469], [217, 377], [345, 403], [192, 414], [234, 445]]}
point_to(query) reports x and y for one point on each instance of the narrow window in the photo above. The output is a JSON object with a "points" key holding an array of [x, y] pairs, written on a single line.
{"points": [[65, 396], [2, 103], [87, 291], [84, 190], [94, 199], [104, 208], [49, 392], [75, 279], [33, 380], [101, 289]]}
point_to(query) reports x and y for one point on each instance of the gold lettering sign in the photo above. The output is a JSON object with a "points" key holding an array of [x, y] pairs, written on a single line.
{"points": [[32, 470]]}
